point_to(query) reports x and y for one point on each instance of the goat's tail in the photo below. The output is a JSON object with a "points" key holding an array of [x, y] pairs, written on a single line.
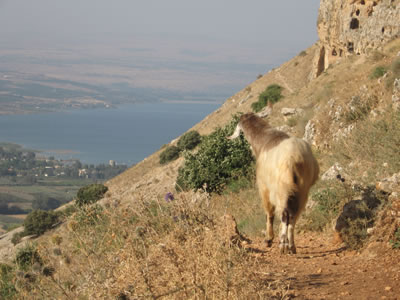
{"points": [[292, 206], [293, 181]]}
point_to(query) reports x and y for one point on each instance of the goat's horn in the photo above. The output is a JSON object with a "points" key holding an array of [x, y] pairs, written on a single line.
{"points": [[236, 133]]}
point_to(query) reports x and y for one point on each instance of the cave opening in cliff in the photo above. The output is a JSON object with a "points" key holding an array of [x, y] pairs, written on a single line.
{"points": [[321, 61], [350, 47], [354, 24]]}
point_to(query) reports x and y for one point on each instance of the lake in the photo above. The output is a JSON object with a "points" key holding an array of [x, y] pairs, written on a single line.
{"points": [[126, 134]]}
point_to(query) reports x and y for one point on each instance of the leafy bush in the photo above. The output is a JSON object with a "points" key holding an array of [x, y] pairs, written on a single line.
{"points": [[271, 94], [39, 221], [169, 154], [217, 162], [327, 204], [395, 242], [378, 72], [27, 256], [90, 194], [16, 238], [7, 288], [189, 140], [303, 53]]}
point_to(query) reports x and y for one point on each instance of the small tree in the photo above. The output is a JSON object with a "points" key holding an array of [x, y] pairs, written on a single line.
{"points": [[169, 154], [189, 140], [39, 221], [27, 256], [271, 94], [90, 194], [217, 161]]}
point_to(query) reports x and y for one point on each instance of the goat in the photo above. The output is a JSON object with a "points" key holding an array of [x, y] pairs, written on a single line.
{"points": [[285, 171]]}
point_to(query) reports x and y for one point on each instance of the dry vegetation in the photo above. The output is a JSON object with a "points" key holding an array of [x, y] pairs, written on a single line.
{"points": [[136, 245], [176, 250]]}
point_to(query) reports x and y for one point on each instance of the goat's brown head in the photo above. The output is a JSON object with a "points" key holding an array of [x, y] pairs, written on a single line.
{"points": [[243, 121]]}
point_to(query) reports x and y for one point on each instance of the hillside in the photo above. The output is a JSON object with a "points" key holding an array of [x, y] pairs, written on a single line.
{"points": [[141, 244]]}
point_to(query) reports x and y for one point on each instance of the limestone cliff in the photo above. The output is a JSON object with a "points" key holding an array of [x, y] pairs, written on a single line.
{"points": [[348, 27]]}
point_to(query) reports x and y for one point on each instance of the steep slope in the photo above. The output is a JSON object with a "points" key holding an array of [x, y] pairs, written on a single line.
{"points": [[149, 178], [138, 245]]}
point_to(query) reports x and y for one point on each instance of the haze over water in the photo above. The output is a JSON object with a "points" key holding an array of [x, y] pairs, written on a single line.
{"points": [[141, 50], [126, 134]]}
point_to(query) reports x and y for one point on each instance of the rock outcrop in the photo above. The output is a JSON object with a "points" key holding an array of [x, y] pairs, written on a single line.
{"points": [[348, 27]]}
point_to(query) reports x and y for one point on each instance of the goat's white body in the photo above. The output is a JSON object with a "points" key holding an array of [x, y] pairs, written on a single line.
{"points": [[286, 170], [276, 168]]}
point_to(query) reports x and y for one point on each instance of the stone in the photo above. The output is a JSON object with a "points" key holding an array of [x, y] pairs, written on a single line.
{"points": [[310, 132], [333, 173], [389, 184], [265, 112], [353, 27], [396, 94], [287, 111]]}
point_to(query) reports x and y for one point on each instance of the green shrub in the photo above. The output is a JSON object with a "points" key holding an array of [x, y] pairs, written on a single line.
{"points": [[326, 208], [7, 288], [16, 238], [378, 72], [27, 256], [39, 221], [169, 154], [189, 140], [217, 162], [395, 241], [90, 194], [303, 53], [271, 94]]}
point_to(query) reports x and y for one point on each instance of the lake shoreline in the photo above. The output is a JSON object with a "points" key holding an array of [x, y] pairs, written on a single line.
{"points": [[126, 134]]}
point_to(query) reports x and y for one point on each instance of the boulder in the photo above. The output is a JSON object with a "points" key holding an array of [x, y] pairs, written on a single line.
{"points": [[334, 173]]}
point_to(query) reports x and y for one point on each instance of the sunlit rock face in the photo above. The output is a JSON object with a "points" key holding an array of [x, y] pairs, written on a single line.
{"points": [[348, 27]]}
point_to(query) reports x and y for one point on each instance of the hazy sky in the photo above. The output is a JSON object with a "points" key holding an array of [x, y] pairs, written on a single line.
{"points": [[259, 22], [219, 45]]}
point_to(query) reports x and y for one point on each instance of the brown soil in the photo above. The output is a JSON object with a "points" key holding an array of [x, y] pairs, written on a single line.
{"points": [[323, 270]]}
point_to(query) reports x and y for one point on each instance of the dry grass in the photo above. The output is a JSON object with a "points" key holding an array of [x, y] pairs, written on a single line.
{"points": [[151, 250], [372, 149], [147, 248]]}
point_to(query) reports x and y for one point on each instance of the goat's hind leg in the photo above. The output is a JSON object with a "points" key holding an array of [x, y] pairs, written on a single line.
{"points": [[270, 214], [291, 245], [270, 228], [286, 241], [283, 237]]}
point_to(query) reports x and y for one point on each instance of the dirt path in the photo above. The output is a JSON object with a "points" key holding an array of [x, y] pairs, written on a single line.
{"points": [[321, 270], [284, 82]]}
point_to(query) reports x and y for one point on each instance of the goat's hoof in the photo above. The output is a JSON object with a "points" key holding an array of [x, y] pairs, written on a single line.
{"points": [[269, 243], [285, 249]]}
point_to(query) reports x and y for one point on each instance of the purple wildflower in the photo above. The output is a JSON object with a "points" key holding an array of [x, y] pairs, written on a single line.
{"points": [[169, 197]]}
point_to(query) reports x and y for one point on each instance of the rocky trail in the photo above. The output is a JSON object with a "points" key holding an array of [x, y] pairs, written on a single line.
{"points": [[324, 270]]}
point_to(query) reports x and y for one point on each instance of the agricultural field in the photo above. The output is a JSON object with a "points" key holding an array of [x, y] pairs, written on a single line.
{"points": [[28, 182]]}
